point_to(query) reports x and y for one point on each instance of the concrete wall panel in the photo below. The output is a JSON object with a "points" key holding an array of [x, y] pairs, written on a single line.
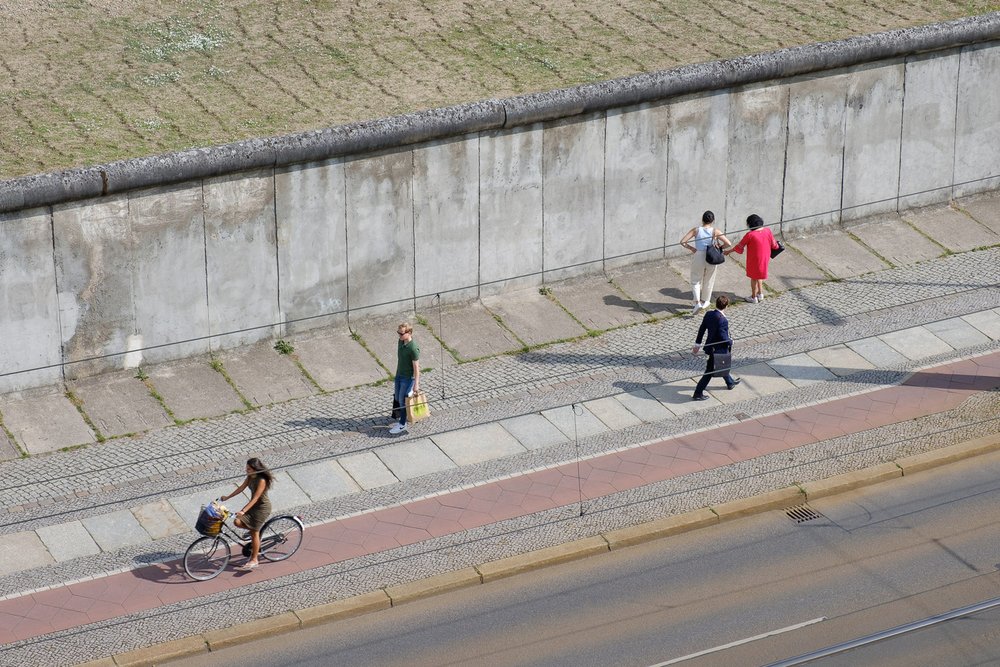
{"points": [[635, 178], [977, 126], [871, 141], [756, 165], [815, 153], [927, 153], [380, 234], [242, 258], [94, 269], [29, 331], [510, 209], [573, 159], [698, 162], [312, 244], [446, 219], [171, 304]]}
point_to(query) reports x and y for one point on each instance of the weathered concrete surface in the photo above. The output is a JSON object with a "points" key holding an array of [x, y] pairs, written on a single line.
{"points": [[335, 360], [468, 329], [654, 288], [510, 209], [874, 113], [533, 317], [311, 220], [927, 153], [380, 233], [533, 431], [575, 422], [66, 541], [952, 229], [264, 376], [756, 164], [596, 303], [896, 241], [814, 158], [43, 420], [478, 443], [977, 122], [17, 548], [915, 343], [446, 219], [841, 360], [240, 247], [118, 403], [574, 197], [367, 470], [838, 254], [115, 530], [379, 336], [159, 519], [8, 450], [29, 334], [612, 413], [323, 480], [94, 259], [414, 458], [635, 183], [984, 208], [192, 389], [168, 227], [789, 270]]}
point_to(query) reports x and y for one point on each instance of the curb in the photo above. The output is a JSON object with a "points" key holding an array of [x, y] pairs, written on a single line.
{"points": [[395, 595]]}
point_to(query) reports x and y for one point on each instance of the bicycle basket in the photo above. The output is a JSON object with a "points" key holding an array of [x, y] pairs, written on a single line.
{"points": [[211, 518]]}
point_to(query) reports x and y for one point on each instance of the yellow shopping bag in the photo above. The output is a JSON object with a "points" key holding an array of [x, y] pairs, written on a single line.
{"points": [[417, 407]]}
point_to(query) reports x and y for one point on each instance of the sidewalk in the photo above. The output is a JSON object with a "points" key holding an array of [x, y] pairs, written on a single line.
{"points": [[495, 471]]}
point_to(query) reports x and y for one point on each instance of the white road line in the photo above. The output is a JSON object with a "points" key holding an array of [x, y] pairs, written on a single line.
{"points": [[738, 642]]}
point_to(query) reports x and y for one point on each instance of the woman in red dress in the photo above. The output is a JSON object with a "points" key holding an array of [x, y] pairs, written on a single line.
{"points": [[759, 242]]}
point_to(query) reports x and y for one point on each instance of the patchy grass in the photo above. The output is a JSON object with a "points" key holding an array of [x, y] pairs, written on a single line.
{"points": [[90, 81]]}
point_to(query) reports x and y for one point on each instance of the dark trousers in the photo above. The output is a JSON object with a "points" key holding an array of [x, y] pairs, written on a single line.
{"points": [[709, 374]]}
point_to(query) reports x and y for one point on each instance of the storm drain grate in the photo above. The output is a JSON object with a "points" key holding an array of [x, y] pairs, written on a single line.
{"points": [[802, 513]]}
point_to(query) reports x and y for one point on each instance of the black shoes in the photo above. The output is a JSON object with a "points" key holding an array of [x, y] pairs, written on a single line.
{"points": [[703, 397], [735, 382]]}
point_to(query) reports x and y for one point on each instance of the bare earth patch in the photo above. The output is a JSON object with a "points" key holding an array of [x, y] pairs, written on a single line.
{"points": [[90, 81]]}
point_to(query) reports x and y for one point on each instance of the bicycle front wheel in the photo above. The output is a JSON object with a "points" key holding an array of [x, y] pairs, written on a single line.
{"points": [[206, 558], [280, 537]]}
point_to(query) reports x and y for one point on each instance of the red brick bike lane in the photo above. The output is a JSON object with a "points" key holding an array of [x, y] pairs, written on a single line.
{"points": [[927, 392]]}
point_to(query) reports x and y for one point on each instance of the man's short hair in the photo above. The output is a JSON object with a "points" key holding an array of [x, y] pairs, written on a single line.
{"points": [[404, 327], [721, 302], [707, 216]]}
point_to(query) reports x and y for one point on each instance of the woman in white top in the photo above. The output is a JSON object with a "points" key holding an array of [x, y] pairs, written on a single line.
{"points": [[703, 273]]}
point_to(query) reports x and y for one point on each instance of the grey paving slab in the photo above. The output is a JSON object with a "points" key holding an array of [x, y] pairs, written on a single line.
{"points": [[841, 360], [263, 375], [597, 303], [367, 470], [118, 403], [188, 506], [479, 443], [323, 480], [953, 229], [66, 541], [741, 392], [7, 448], [677, 396], [533, 317], [414, 458], [762, 380], [984, 208], [22, 551], [576, 422], [613, 413], [192, 389], [897, 241], [838, 254], [915, 343], [44, 420], [335, 360], [878, 352], [115, 530], [379, 336], [160, 520], [654, 287], [285, 493], [801, 370], [470, 330], [789, 270], [644, 406], [957, 333], [534, 431], [987, 321]]}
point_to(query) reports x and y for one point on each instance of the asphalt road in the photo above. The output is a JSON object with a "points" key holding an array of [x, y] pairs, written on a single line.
{"points": [[872, 560]]}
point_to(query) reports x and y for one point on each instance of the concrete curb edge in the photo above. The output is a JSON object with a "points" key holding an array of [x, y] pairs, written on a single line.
{"points": [[397, 594]]}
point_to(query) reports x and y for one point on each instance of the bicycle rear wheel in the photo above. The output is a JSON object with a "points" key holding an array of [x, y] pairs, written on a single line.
{"points": [[207, 557], [280, 537]]}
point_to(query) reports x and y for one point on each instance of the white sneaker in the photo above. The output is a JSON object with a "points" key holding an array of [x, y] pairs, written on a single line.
{"points": [[705, 305], [696, 309], [760, 298], [397, 429], [751, 299]]}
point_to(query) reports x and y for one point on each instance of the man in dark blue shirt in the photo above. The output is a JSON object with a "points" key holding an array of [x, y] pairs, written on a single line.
{"points": [[716, 325]]}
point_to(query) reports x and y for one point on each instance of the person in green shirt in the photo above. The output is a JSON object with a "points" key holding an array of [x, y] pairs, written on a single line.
{"points": [[407, 373]]}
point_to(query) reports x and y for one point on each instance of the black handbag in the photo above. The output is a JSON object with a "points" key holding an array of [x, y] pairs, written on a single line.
{"points": [[777, 251], [713, 254], [722, 362]]}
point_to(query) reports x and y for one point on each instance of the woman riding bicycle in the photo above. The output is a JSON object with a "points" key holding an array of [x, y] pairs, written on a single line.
{"points": [[259, 480]]}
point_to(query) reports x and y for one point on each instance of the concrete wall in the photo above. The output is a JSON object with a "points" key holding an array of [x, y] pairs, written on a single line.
{"points": [[476, 200]]}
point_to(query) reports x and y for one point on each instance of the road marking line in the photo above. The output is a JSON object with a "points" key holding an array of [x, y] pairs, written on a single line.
{"points": [[738, 642]]}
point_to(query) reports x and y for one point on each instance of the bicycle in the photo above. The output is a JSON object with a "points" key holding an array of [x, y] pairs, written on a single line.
{"points": [[208, 556]]}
